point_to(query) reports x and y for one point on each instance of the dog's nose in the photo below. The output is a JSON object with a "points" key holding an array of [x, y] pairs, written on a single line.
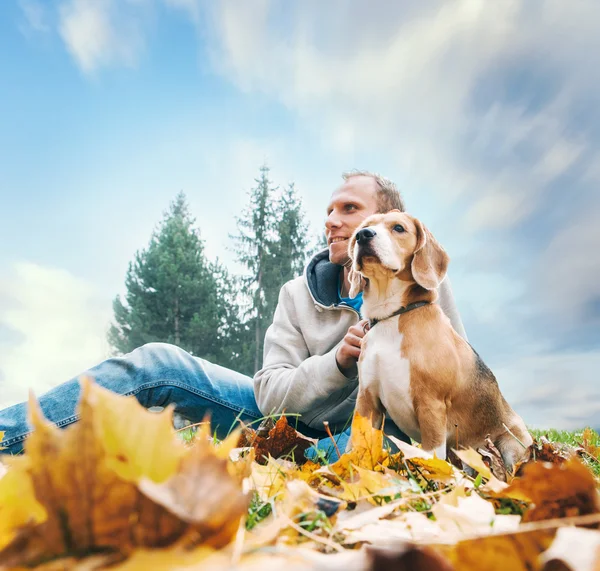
{"points": [[365, 235]]}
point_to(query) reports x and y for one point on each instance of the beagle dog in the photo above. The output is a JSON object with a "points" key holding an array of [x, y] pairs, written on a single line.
{"points": [[413, 365]]}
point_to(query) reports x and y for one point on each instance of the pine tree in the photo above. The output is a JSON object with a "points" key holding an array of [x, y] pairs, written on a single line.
{"points": [[272, 245], [289, 250], [174, 294], [254, 249]]}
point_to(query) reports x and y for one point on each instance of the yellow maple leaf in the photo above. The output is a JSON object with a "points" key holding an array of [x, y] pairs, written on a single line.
{"points": [[137, 443], [515, 551], [435, 468], [1, 437], [91, 499], [26, 510], [367, 449], [369, 485], [267, 480], [472, 458]]}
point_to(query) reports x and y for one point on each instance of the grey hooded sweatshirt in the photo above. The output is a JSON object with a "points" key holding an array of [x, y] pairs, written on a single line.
{"points": [[300, 373]]}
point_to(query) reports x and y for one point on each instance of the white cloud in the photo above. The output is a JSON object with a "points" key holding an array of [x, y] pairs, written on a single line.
{"points": [[60, 322], [554, 390], [569, 268], [104, 32], [402, 79], [35, 16]]}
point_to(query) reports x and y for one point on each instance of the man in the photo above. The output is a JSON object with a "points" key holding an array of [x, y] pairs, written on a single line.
{"points": [[310, 352]]}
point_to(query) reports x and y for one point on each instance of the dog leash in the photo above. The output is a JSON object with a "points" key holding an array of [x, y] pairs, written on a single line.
{"points": [[403, 309]]}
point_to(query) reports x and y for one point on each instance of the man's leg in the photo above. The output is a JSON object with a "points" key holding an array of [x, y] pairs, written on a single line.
{"points": [[157, 374]]}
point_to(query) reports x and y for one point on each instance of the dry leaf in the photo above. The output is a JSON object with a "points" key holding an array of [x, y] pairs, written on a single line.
{"points": [[546, 451], [202, 493], [366, 452], [434, 468], [556, 490], [26, 510], [473, 459], [470, 515], [574, 548], [587, 437], [367, 484], [281, 440], [493, 459], [87, 492], [514, 552], [410, 558]]}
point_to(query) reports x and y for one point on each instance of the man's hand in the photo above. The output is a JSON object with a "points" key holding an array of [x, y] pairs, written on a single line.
{"points": [[349, 351]]}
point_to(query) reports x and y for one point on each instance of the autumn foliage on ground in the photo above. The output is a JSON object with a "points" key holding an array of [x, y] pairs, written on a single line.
{"points": [[121, 490]]}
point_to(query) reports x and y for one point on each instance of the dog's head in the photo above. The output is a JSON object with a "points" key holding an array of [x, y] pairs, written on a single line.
{"points": [[398, 244]]}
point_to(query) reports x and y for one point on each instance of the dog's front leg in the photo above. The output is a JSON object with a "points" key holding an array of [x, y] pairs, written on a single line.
{"points": [[432, 418], [368, 406]]}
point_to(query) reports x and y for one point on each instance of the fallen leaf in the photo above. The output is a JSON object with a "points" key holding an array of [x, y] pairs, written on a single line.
{"points": [[574, 548], [135, 442], [26, 510], [473, 459], [470, 515], [408, 450], [556, 490], [90, 502], [282, 440], [1, 437], [587, 439], [366, 449], [369, 485], [434, 468], [514, 551], [545, 451], [410, 558], [202, 493], [492, 458]]}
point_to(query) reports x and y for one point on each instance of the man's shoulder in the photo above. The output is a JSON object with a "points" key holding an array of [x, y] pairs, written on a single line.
{"points": [[296, 287]]}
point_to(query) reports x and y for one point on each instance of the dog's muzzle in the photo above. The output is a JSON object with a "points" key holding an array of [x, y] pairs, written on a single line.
{"points": [[365, 235]]}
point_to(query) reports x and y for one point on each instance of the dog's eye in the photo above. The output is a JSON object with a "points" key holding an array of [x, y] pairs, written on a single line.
{"points": [[398, 228]]}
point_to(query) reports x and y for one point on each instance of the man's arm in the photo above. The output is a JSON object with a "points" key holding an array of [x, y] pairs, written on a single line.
{"points": [[446, 301], [291, 379]]}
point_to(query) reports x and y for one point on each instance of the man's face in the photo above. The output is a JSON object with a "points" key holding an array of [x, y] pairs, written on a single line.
{"points": [[350, 204]]}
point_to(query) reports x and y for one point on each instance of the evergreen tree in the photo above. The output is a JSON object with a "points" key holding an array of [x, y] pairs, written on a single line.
{"points": [[272, 245], [289, 251], [174, 294], [254, 249]]}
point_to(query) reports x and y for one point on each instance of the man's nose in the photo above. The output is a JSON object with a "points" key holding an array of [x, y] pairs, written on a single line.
{"points": [[333, 221], [365, 235]]}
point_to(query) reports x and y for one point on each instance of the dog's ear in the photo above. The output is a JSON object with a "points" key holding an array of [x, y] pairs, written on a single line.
{"points": [[430, 261], [357, 282]]}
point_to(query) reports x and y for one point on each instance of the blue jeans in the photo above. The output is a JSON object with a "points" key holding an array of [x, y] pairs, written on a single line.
{"points": [[159, 374]]}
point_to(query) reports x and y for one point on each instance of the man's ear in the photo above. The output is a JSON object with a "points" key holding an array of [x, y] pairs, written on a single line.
{"points": [[430, 261]]}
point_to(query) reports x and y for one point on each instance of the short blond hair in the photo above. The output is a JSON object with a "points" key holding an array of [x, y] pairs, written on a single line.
{"points": [[388, 195]]}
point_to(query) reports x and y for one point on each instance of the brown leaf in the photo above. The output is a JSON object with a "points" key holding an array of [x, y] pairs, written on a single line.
{"points": [[556, 490], [546, 451], [493, 459], [512, 551], [410, 558], [281, 440], [587, 439], [573, 549], [87, 492]]}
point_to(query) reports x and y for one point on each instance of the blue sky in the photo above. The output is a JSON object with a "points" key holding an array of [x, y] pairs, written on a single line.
{"points": [[485, 115]]}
